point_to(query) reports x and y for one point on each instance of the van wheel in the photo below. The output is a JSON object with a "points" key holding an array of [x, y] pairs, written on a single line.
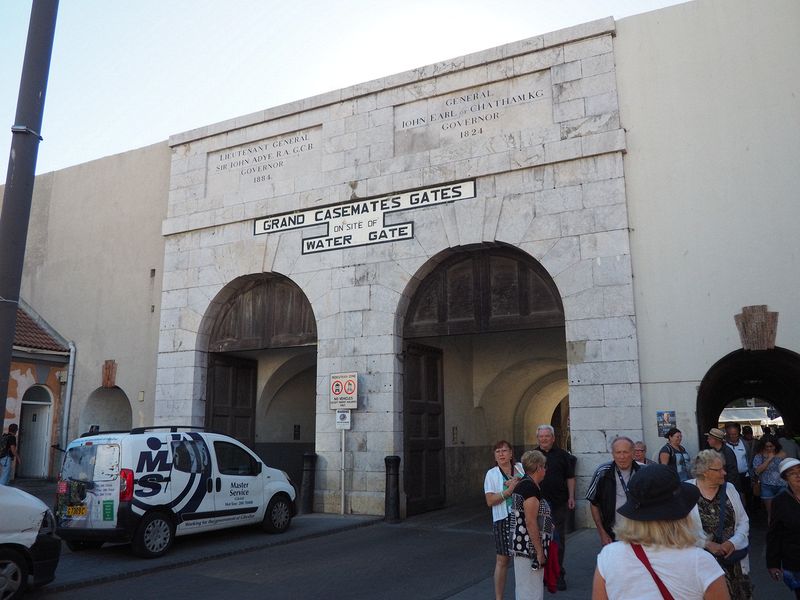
{"points": [[80, 545], [278, 515], [13, 574], [153, 536]]}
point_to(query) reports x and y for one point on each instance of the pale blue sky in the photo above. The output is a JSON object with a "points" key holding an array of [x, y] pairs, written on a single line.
{"points": [[128, 74]]}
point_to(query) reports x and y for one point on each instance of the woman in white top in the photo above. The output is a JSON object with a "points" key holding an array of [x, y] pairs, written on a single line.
{"points": [[655, 532], [498, 486]]}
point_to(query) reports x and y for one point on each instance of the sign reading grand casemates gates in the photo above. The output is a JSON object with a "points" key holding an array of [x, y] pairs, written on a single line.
{"points": [[361, 222]]}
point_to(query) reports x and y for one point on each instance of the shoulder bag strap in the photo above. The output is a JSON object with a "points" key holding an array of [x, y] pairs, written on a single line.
{"points": [[723, 503], [640, 554]]}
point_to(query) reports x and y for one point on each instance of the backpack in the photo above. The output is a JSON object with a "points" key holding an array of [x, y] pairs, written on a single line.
{"points": [[4, 445]]}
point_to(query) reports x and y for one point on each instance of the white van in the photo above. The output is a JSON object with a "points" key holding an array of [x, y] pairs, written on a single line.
{"points": [[29, 549], [148, 485]]}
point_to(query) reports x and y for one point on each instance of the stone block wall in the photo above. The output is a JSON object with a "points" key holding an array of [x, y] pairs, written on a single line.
{"points": [[534, 124]]}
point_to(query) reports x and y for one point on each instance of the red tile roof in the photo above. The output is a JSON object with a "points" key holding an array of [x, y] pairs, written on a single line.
{"points": [[29, 334]]}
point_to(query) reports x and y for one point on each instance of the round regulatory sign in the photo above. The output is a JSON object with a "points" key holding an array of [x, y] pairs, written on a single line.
{"points": [[336, 387], [349, 386]]}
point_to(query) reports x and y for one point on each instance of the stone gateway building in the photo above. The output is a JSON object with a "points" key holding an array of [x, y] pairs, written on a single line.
{"points": [[559, 230]]}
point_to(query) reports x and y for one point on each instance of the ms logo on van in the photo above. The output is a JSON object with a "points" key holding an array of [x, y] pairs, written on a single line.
{"points": [[153, 464]]}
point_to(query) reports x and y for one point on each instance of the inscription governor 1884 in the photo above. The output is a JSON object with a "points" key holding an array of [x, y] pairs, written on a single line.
{"points": [[264, 161], [361, 222]]}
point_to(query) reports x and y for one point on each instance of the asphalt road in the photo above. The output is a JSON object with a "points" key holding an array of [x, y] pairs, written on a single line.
{"points": [[378, 561]]}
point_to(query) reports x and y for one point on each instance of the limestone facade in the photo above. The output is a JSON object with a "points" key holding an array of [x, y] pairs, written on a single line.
{"points": [[533, 125]]}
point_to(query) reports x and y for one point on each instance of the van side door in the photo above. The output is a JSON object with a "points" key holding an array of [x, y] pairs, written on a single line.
{"points": [[238, 487], [191, 484]]}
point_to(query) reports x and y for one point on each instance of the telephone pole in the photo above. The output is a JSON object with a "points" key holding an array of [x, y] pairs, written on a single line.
{"points": [[20, 177]]}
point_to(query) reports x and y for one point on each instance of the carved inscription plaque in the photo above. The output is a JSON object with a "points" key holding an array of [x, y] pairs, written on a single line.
{"points": [[480, 112], [263, 163]]}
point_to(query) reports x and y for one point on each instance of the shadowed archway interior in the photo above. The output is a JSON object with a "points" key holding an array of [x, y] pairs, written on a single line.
{"points": [[772, 375], [484, 358]]}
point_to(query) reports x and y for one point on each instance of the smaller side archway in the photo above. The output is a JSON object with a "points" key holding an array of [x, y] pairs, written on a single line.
{"points": [[538, 406], [286, 410], [772, 375], [108, 409]]}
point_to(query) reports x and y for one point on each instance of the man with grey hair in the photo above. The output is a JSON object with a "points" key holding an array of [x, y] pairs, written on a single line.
{"points": [[609, 487], [558, 488]]}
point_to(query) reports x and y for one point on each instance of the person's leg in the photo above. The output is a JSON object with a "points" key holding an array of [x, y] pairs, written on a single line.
{"points": [[529, 584], [500, 574], [746, 492], [560, 515], [5, 470], [502, 544]]}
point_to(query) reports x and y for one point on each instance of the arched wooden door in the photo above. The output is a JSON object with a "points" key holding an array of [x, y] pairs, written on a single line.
{"points": [[424, 430]]}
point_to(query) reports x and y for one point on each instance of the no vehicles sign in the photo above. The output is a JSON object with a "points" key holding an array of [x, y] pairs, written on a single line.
{"points": [[344, 390]]}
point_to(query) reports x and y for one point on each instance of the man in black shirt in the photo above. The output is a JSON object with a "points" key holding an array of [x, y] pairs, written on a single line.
{"points": [[558, 487]]}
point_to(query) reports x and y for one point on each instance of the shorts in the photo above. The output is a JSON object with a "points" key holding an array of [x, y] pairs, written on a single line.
{"points": [[502, 536], [768, 492]]}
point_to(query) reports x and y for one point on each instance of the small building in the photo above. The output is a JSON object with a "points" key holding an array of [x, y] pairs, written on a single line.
{"points": [[40, 361]]}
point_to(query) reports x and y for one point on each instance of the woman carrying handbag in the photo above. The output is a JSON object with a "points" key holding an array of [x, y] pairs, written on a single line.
{"points": [[721, 523]]}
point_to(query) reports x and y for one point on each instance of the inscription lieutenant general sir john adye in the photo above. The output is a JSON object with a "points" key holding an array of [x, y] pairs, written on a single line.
{"points": [[361, 222]]}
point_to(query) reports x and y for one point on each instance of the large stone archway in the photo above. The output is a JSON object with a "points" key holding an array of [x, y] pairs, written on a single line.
{"points": [[262, 335], [482, 328]]}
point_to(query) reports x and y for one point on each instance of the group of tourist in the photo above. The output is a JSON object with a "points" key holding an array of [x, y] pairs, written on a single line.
{"points": [[677, 537], [530, 502]]}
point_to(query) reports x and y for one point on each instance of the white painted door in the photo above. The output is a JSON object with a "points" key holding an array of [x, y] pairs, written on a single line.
{"points": [[32, 438]]}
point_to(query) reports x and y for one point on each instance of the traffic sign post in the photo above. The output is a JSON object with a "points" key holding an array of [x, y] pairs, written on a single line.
{"points": [[344, 398]]}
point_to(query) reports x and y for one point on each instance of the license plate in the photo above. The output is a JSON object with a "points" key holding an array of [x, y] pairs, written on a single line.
{"points": [[77, 511]]}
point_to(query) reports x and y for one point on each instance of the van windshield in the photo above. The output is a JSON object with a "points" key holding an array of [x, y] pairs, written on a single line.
{"points": [[95, 462]]}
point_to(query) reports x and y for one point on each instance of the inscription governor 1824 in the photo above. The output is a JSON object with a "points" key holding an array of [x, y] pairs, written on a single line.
{"points": [[361, 222], [495, 108]]}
